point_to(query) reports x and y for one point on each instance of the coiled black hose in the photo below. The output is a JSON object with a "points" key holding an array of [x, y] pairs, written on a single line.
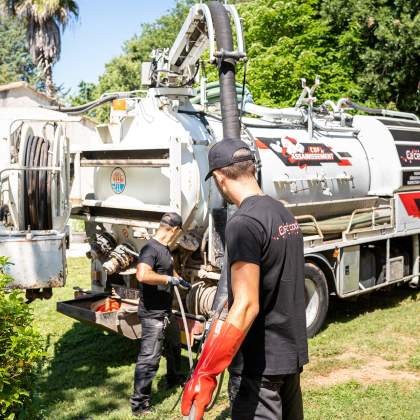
{"points": [[37, 185]]}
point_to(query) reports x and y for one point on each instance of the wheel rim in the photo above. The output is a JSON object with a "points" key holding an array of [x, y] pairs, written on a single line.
{"points": [[312, 301]]}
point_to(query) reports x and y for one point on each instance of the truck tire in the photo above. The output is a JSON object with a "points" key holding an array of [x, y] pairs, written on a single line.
{"points": [[316, 298]]}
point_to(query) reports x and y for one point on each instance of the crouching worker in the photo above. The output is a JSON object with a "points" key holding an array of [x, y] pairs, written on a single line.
{"points": [[156, 274], [263, 338]]}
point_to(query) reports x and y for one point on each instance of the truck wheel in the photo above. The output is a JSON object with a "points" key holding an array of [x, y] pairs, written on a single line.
{"points": [[316, 298]]}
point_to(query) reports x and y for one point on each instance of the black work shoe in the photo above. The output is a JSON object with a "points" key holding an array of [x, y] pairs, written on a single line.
{"points": [[173, 381], [143, 411]]}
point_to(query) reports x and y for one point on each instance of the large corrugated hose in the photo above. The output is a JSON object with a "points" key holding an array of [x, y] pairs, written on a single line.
{"points": [[228, 101], [230, 119], [37, 185], [37, 196]]}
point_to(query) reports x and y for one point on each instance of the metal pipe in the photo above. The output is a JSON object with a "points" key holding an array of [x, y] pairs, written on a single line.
{"points": [[331, 104], [293, 114], [378, 286], [335, 129], [378, 111], [184, 321]]}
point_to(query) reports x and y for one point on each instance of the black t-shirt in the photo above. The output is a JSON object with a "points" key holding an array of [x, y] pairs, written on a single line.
{"points": [[262, 231], [156, 301]]}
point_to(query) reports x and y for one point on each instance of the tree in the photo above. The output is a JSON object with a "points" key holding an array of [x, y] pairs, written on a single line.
{"points": [[288, 40], [381, 40], [44, 19], [365, 49], [123, 72], [15, 60]]}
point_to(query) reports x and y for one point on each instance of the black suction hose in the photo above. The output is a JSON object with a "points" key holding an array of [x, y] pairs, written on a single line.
{"points": [[228, 106], [228, 101]]}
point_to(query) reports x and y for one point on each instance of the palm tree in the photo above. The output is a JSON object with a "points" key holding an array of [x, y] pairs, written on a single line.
{"points": [[7, 7], [45, 19]]}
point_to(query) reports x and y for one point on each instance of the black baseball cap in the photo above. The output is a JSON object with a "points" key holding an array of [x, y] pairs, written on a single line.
{"points": [[221, 154], [171, 219]]}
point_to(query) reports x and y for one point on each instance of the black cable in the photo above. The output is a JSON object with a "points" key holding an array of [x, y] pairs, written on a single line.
{"points": [[197, 68], [374, 111], [86, 107]]}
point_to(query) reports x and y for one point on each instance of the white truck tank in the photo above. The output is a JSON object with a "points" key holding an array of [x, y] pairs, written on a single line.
{"points": [[151, 161]]}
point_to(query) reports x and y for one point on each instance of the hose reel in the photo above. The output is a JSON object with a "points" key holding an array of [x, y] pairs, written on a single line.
{"points": [[37, 184], [42, 195]]}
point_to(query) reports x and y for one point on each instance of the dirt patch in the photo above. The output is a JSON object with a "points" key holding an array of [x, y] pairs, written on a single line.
{"points": [[371, 370]]}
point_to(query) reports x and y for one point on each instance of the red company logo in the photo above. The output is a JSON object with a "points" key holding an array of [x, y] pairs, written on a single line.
{"points": [[293, 153]]}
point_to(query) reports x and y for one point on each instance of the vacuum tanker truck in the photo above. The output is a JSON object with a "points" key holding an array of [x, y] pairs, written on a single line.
{"points": [[352, 181]]}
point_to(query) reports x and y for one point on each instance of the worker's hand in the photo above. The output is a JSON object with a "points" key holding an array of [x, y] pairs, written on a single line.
{"points": [[198, 392], [178, 281], [221, 345]]}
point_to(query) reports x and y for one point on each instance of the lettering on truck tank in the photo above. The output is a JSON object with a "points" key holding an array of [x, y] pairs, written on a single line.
{"points": [[409, 155], [293, 153]]}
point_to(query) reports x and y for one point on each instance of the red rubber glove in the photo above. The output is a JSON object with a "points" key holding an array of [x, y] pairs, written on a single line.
{"points": [[221, 345]]}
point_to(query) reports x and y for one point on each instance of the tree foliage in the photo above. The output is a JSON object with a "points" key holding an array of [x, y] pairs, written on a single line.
{"points": [[381, 41], [364, 49], [15, 61], [21, 350], [45, 19], [287, 40]]}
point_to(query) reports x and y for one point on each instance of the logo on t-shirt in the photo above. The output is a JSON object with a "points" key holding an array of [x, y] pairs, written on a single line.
{"points": [[286, 230]]}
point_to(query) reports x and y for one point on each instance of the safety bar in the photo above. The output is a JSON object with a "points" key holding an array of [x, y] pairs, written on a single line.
{"points": [[140, 163], [373, 219], [313, 220]]}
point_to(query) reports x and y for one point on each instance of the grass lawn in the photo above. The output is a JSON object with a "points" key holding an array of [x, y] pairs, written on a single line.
{"points": [[365, 364]]}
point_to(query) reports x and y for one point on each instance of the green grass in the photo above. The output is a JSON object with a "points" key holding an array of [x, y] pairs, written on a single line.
{"points": [[89, 373]]}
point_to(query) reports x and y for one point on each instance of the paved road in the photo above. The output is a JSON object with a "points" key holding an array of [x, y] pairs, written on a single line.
{"points": [[77, 249]]}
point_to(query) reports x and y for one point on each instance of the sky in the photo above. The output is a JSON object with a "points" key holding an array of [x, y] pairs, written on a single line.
{"points": [[99, 34]]}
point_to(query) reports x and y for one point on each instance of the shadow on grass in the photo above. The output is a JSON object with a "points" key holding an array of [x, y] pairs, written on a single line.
{"points": [[82, 359], [345, 310]]}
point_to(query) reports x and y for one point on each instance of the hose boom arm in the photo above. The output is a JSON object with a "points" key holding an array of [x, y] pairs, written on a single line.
{"points": [[196, 35]]}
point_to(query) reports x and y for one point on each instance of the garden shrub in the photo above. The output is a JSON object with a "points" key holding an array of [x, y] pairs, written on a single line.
{"points": [[21, 350]]}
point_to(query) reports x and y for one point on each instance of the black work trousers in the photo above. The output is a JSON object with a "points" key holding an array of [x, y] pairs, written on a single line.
{"points": [[157, 335], [266, 398]]}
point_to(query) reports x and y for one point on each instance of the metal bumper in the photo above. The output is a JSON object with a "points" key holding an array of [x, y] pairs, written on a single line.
{"points": [[123, 322]]}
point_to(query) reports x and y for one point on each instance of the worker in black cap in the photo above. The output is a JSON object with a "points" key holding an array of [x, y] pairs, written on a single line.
{"points": [[155, 272], [263, 337]]}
